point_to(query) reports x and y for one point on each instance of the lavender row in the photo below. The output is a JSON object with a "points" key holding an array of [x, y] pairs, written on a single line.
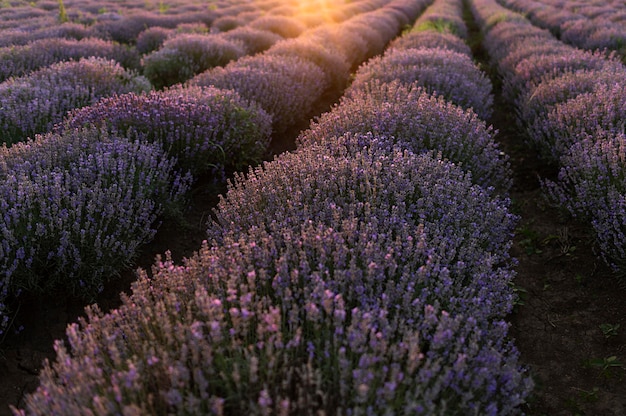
{"points": [[338, 300], [75, 208], [16, 61], [290, 77], [571, 104], [597, 30], [205, 129], [34, 103], [452, 75], [404, 109]]}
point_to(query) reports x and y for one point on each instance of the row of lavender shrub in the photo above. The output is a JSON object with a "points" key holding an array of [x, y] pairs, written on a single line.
{"points": [[571, 103], [573, 27], [207, 130], [351, 276], [290, 77], [349, 292], [76, 206], [18, 61], [34, 103]]}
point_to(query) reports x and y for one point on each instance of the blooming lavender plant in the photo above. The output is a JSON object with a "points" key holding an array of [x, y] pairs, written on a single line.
{"points": [[34, 103], [430, 39], [284, 86], [450, 74], [16, 61], [328, 58], [592, 186], [253, 40], [420, 122], [152, 39], [284, 26], [205, 129], [465, 220], [185, 55], [77, 206], [586, 114], [327, 315]]}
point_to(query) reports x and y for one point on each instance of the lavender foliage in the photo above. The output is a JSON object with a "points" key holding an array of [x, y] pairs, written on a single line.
{"points": [[17, 61], [420, 122], [185, 55], [77, 206], [204, 128], [253, 40], [452, 75], [329, 314], [429, 39], [34, 103], [592, 186], [284, 86]]}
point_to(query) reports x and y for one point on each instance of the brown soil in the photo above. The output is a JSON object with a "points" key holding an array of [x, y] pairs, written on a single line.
{"points": [[567, 297]]}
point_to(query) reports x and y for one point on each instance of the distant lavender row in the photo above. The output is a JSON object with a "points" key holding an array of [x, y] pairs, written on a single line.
{"points": [[76, 207], [289, 78], [446, 72], [336, 298], [571, 103], [206, 130], [595, 31], [34, 103], [17, 61]]}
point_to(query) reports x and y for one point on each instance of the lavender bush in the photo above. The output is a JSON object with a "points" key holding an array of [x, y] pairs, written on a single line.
{"points": [[284, 86], [253, 40], [77, 206], [328, 58], [152, 39], [16, 61], [592, 186], [284, 26], [586, 114], [35, 103], [449, 74], [429, 39], [418, 121], [206, 129], [185, 55], [327, 315], [464, 220]]}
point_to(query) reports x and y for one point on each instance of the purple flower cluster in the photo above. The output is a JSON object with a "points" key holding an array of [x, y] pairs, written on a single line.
{"points": [[592, 186], [355, 308], [152, 39], [444, 16], [283, 26], [17, 36], [205, 129], [572, 104], [431, 39], [252, 40], [588, 29], [34, 103], [450, 74], [76, 207], [284, 86], [17, 61], [420, 122], [183, 56]]}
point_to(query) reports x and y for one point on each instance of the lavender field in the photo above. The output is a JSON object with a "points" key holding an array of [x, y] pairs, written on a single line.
{"points": [[279, 207]]}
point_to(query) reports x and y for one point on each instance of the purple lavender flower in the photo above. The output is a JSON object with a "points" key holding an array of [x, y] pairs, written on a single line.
{"points": [[203, 128], [78, 205], [419, 122], [185, 55], [17, 61], [450, 74], [284, 86], [35, 103]]}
